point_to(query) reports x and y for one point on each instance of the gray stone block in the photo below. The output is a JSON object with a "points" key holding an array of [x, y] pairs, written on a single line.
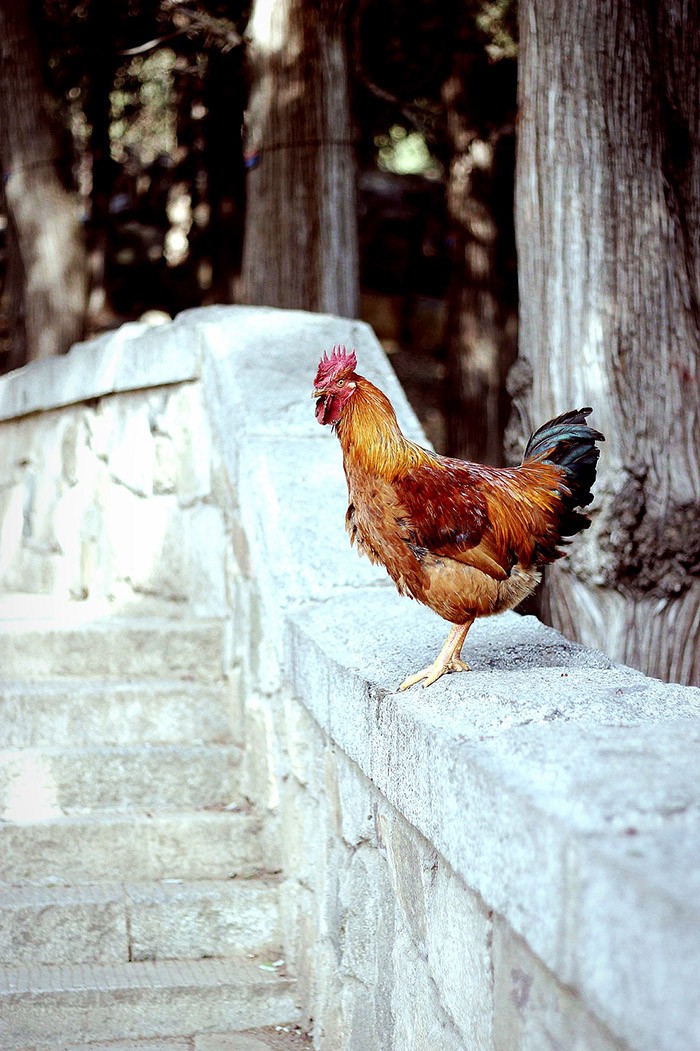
{"points": [[51, 1007], [117, 361], [533, 1011], [635, 947], [185, 1044], [194, 920], [74, 642], [99, 923], [62, 925], [276, 1038], [98, 847], [75, 713], [173, 776]]}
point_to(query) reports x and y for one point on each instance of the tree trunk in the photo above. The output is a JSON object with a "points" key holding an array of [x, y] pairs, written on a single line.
{"points": [[608, 225], [43, 213], [301, 223]]}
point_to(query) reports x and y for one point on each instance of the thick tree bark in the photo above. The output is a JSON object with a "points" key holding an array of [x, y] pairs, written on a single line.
{"points": [[608, 224], [300, 245], [43, 213]]}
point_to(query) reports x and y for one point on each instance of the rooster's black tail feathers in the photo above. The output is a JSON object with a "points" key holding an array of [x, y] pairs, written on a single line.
{"points": [[570, 443]]}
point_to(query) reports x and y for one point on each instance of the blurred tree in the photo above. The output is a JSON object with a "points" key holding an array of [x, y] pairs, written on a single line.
{"points": [[300, 247], [608, 222], [45, 236]]}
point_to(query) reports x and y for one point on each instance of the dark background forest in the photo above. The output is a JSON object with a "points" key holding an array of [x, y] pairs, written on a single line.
{"points": [[383, 159], [149, 99]]}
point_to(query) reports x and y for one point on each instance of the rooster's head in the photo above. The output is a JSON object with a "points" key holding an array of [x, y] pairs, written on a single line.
{"points": [[334, 384]]}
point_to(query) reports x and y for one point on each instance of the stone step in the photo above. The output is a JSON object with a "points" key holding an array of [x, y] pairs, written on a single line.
{"points": [[162, 647], [43, 781], [103, 923], [53, 1007], [107, 847], [190, 920], [74, 713], [287, 1037]]}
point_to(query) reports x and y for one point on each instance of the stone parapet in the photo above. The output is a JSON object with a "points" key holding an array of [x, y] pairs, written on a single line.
{"points": [[507, 861]]}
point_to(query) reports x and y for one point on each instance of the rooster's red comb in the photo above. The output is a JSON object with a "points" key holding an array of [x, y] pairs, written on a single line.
{"points": [[338, 362]]}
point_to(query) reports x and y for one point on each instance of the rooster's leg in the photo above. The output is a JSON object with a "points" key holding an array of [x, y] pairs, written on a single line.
{"points": [[447, 659]]}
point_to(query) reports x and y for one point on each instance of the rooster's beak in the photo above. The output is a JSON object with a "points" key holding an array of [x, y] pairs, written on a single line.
{"points": [[319, 394]]}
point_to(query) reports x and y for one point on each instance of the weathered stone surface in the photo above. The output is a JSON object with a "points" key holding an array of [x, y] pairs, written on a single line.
{"points": [[548, 784], [352, 804], [419, 1020], [41, 1006], [132, 357], [195, 845], [637, 931], [459, 936], [62, 925], [89, 522], [89, 643], [74, 713], [185, 422], [178, 920], [106, 777], [532, 1010], [261, 365], [274, 1038], [132, 454], [367, 918], [130, 1045]]}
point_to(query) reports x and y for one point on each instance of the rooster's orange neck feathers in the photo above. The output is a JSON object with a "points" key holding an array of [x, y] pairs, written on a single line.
{"points": [[370, 435]]}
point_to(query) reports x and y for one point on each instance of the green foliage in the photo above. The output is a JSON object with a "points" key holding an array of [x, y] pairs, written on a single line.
{"points": [[143, 113], [406, 153]]}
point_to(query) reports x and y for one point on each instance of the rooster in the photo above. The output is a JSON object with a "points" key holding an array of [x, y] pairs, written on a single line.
{"points": [[463, 538]]}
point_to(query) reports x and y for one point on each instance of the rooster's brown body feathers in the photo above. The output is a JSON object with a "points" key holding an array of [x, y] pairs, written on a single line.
{"points": [[465, 539]]}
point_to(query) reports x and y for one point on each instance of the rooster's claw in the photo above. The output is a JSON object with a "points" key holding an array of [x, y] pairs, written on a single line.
{"points": [[433, 672]]}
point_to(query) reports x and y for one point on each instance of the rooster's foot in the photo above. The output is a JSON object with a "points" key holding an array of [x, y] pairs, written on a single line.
{"points": [[434, 672]]}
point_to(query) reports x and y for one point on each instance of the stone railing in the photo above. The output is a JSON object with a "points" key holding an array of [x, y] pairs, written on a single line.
{"points": [[509, 860]]}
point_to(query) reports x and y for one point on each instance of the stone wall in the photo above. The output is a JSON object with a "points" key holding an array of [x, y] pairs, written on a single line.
{"points": [[506, 861], [114, 499]]}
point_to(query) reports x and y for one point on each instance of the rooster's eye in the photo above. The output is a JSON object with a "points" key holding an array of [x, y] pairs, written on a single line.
{"points": [[340, 383]]}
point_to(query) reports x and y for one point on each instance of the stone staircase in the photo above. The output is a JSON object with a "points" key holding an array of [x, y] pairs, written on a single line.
{"points": [[134, 908]]}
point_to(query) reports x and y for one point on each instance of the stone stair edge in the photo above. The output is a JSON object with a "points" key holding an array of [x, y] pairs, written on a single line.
{"points": [[106, 749], [106, 622], [13, 895], [117, 923], [59, 780], [85, 712], [17, 684], [26, 605], [282, 1037], [53, 1006], [108, 815], [148, 974], [137, 844]]}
